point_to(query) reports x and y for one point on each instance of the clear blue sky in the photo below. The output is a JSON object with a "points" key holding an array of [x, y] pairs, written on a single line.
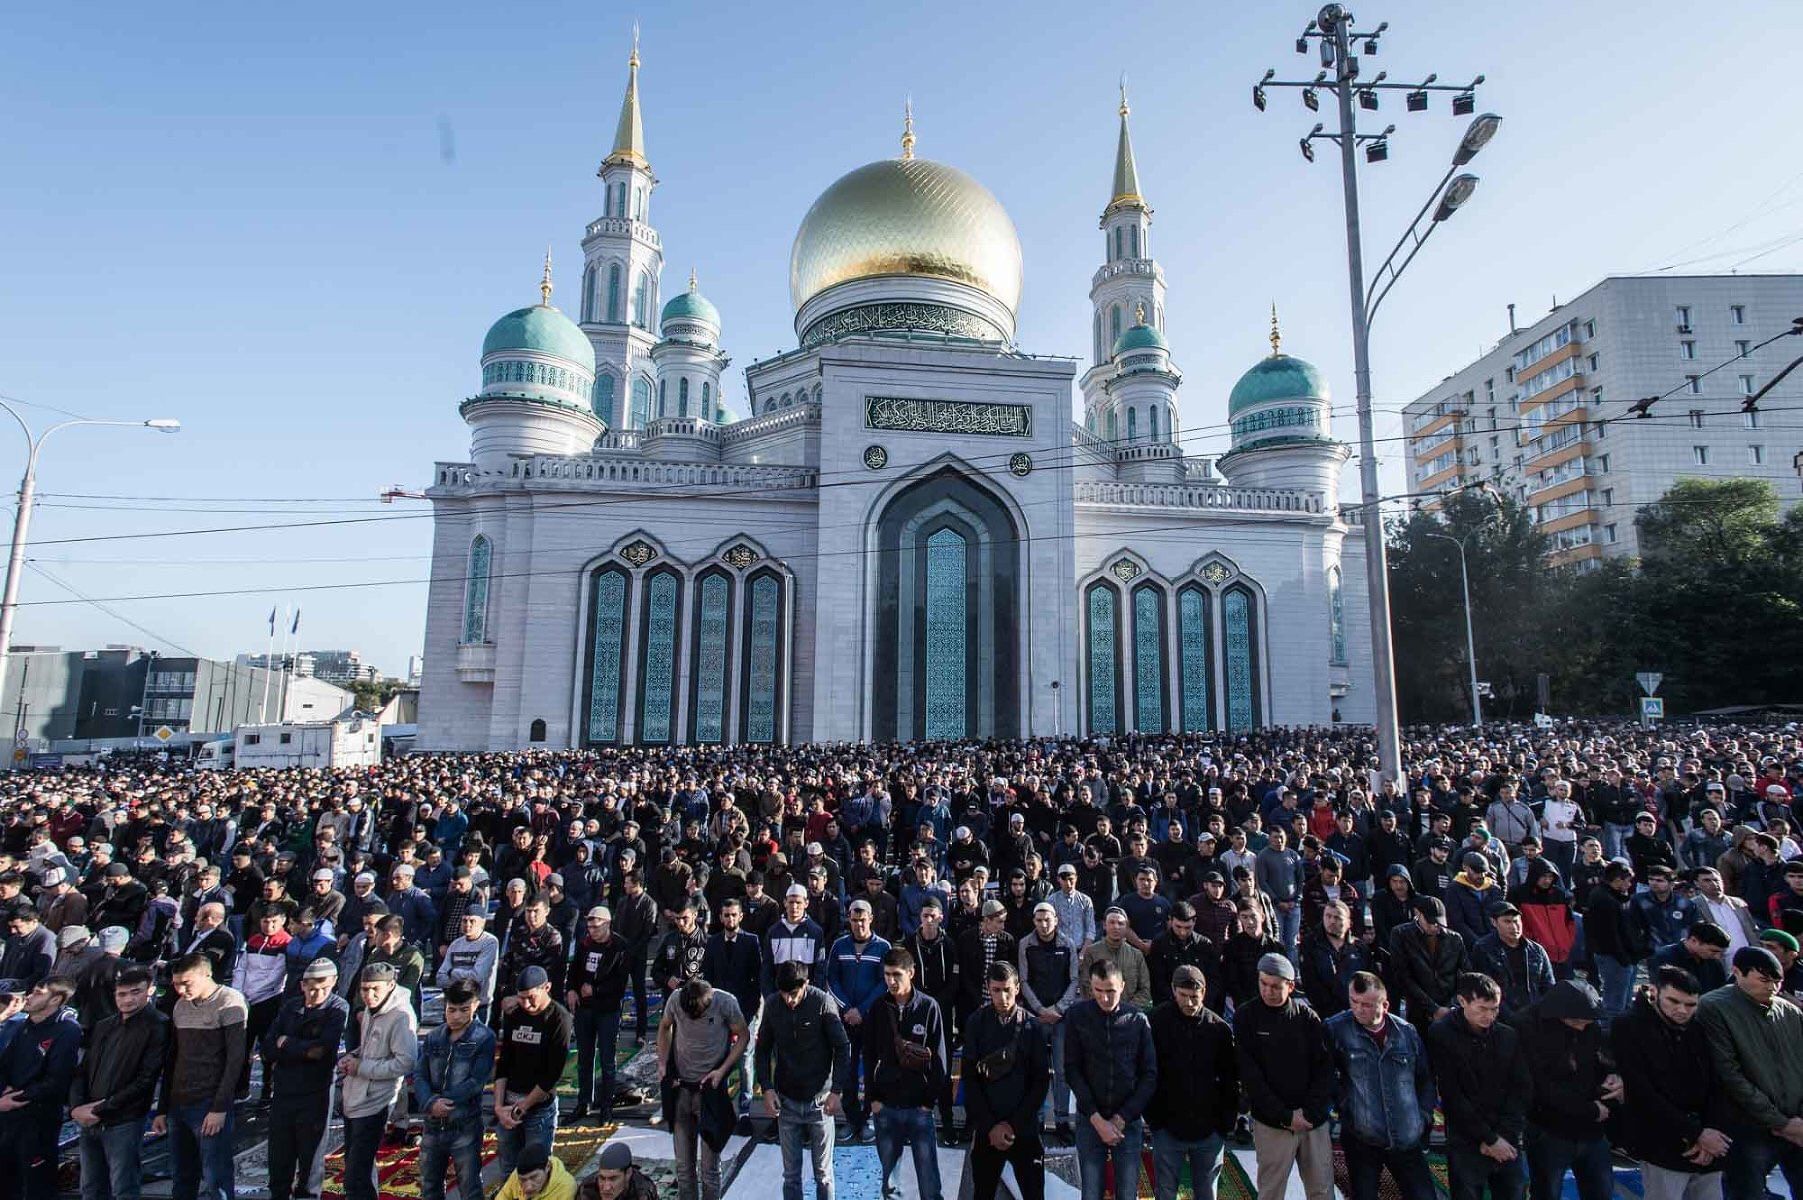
{"points": [[291, 228]]}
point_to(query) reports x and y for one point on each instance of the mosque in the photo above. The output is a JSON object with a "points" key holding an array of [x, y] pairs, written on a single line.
{"points": [[908, 534]]}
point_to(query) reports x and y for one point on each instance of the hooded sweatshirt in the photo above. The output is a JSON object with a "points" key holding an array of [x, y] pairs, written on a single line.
{"points": [[1568, 1065]]}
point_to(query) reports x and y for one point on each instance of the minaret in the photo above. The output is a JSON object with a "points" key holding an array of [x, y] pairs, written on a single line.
{"points": [[623, 259], [1128, 281]]}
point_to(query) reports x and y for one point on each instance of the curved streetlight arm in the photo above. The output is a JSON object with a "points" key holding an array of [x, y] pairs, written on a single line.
{"points": [[1477, 703], [1378, 275]]}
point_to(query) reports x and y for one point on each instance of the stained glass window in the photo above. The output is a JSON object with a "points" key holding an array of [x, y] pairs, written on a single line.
{"points": [[1336, 616], [588, 292], [1240, 626], [1148, 660], [613, 293], [657, 680], [946, 642], [604, 399], [682, 397], [475, 593], [710, 660], [641, 402], [1102, 665], [606, 649], [1193, 639], [761, 664]]}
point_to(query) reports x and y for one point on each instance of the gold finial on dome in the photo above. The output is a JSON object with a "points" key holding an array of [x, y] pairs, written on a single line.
{"points": [[1126, 173], [908, 128], [1139, 313], [692, 281], [1276, 337], [629, 136], [1125, 110], [544, 284], [633, 61]]}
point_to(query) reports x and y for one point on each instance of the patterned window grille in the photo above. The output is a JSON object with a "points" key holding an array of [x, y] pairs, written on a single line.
{"points": [[657, 682], [1194, 640], [711, 659], [1336, 616], [1148, 660], [946, 635], [475, 593], [607, 651], [1103, 717], [1239, 621], [761, 666], [613, 293]]}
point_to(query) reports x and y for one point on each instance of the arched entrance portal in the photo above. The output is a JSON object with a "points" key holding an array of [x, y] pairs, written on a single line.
{"points": [[947, 613]]}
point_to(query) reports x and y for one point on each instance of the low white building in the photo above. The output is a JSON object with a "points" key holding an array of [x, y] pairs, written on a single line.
{"points": [[351, 740]]}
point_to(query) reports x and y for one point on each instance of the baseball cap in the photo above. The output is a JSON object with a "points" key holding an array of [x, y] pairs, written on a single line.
{"points": [[1068, 869], [599, 912], [529, 978], [1278, 965], [615, 1156], [69, 935], [1430, 907], [1502, 908], [1188, 976], [324, 874], [1749, 959], [796, 889], [118, 871], [993, 908]]}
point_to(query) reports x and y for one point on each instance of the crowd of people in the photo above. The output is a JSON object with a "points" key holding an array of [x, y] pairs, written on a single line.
{"points": [[1541, 953]]}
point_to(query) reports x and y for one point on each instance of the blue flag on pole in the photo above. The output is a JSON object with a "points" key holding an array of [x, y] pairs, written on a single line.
{"points": [[272, 622], [295, 628]]}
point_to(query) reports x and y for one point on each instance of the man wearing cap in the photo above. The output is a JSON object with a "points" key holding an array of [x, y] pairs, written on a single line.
{"points": [[535, 1043], [1076, 911], [1468, 898], [795, 937], [60, 904], [1287, 1070], [114, 1087], [413, 905], [1756, 1042], [1426, 959], [616, 1178], [595, 989], [854, 976], [1784, 946], [456, 1061], [374, 1074], [1112, 947], [301, 1050], [1518, 963], [325, 900], [474, 955], [1112, 1068], [361, 900], [1198, 1092], [37, 1067], [206, 1053]]}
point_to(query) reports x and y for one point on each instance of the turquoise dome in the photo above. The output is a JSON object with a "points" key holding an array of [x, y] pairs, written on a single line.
{"points": [[1140, 337], [691, 306], [540, 329], [1278, 377]]}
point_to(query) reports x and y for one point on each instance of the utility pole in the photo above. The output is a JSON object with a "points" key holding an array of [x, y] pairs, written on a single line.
{"points": [[1334, 37]]}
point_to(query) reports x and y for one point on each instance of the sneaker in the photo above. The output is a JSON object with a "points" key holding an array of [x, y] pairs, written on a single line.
{"points": [[579, 1113]]}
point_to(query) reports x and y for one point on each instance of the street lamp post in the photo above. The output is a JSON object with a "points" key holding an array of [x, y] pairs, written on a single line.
{"points": [[1332, 31], [1477, 703], [15, 562]]}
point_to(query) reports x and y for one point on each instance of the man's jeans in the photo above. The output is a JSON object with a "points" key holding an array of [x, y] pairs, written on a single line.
{"points": [[913, 1127], [1093, 1158], [597, 1034], [1751, 1159], [1365, 1167], [1550, 1156], [297, 1132], [1170, 1152], [1289, 927], [1613, 837], [1617, 978], [110, 1165], [1470, 1173], [199, 1160], [799, 1124], [857, 1112], [460, 1144], [1058, 1099], [537, 1129], [362, 1140], [697, 1163]]}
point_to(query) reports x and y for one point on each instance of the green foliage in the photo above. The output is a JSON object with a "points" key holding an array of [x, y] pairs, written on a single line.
{"points": [[1714, 605], [371, 695]]}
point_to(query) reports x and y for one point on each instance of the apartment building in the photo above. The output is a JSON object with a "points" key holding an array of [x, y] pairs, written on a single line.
{"points": [[1546, 415]]}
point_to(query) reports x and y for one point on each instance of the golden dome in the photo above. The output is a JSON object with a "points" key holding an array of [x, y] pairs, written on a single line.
{"points": [[906, 216]]}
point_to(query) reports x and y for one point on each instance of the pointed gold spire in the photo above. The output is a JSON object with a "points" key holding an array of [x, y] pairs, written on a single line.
{"points": [[544, 284], [908, 128], [1126, 173], [1139, 313], [1276, 337], [629, 137]]}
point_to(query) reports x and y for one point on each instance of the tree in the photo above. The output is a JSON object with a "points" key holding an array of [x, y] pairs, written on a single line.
{"points": [[1710, 524]]}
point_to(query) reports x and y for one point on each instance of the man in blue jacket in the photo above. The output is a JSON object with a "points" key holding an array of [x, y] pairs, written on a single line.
{"points": [[1384, 1090], [36, 1070], [854, 976], [1112, 1069], [456, 1061], [415, 908]]}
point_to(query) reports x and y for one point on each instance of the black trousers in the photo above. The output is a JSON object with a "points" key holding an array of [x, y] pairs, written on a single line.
{"points": [[28, 1152], [297, 1130], [986, 1162]]}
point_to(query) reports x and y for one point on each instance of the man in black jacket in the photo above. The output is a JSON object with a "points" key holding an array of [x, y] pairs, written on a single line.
{"points": [[1198, 1089], [114, 1086], [1484, 1086], [1575, 1093], [989, 942], [1287, 1068], [1674, 1108], [1007, 1072], [594, 990], [734, 961], [1614, 942], [803, 1064], [1180, 945], [1425, 961], [1112, 1069], [906, 1066], [936, 974], [301, 1046]]}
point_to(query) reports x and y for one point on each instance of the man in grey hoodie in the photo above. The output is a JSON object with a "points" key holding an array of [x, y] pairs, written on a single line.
{"points": [[374, 1075]]}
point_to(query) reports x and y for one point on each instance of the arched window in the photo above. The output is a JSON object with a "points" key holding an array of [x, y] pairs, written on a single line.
{"points": [[1103, 654], [1132, 241], [1336, 617], [1239, 627], [1152, 423], [707, 401], [660, 397], [1113, 432], [604, 398], [765, 649], [606, 654], [1117, 242], [947, 591], [641, 402], [1100, 353], [682, 397], [712, 657], [1132, 424], [1148, 658], [537, 733], [1114, 327], [1195, 657], [613, 293], [588, 292], [475, 592], [657, 658]]}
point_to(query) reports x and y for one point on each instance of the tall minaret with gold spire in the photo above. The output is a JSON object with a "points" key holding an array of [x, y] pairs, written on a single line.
{"points": [[623, 261]]}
